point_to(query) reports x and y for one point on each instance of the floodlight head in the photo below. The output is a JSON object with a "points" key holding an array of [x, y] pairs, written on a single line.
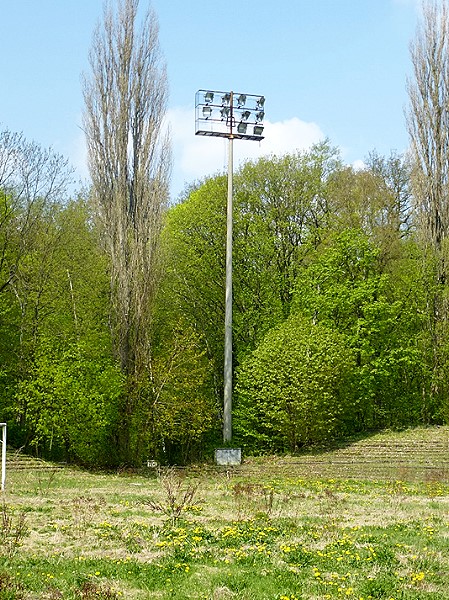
{"points": [[241, 127], [241, 100], [258, 129], [207, 111], [208, 97], [226, 99], [246, 115], [261, 102], [225, 112], [260, 115]]}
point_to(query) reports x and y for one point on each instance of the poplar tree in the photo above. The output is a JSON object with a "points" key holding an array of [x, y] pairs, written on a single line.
{"points": [[428, 122], [428, 126], [129, 162]]}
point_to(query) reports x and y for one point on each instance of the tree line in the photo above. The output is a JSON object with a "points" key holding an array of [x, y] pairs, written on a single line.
{"points": [[112, 302]]}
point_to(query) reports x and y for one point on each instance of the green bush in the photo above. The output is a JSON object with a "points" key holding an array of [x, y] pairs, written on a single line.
{"points": [[295, 388], [70, 401]]}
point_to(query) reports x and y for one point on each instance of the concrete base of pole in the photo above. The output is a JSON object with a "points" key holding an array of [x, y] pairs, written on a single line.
{"points": [[228, 457]]}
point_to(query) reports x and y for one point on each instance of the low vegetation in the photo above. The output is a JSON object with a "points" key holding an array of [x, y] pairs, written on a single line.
{"points": [[289, 528]]}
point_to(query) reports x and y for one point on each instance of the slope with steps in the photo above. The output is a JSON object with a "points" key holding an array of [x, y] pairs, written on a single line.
{"points": [[415, 454], [19, 461]]}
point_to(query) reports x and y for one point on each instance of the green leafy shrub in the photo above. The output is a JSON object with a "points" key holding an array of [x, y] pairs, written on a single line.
{"points": [[70, 400], [295, 388], [380, 313]]}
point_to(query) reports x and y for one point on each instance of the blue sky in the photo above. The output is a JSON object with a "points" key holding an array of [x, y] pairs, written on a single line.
{"points": [[328, 68]]}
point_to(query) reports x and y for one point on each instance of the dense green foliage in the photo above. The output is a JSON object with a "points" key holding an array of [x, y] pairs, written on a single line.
{"points": [[295, 388], [347, 289], [339, 315], [325, 258], [70, 397]]}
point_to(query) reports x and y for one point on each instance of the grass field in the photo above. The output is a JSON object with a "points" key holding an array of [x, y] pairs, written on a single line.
{"points": [[367, 520]]}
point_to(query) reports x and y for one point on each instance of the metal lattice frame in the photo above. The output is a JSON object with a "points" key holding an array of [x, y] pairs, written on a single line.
{"points": [[230, 115]]}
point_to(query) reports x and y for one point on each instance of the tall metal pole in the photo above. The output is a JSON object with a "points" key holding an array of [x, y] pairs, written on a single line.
{"points": [[3, 426], [208, 123], [227, 403]]}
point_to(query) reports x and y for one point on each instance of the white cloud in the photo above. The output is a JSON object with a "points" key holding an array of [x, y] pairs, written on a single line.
{"points": [[358, 165], [78, 155], [196, 156]]}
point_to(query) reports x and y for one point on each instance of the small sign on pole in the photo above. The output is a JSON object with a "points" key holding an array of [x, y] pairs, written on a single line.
{"points": [[229, 457], [3, 426]]}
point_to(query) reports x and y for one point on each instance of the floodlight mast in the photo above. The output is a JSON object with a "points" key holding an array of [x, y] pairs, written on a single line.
{"points": [[224, 126]]}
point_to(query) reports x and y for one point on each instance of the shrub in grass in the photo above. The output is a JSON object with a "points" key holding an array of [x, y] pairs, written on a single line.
{"points": [[178, 495], [13, 530]]}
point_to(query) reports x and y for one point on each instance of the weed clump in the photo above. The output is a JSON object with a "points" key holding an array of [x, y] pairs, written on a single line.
{"points": [[13, 531], [10, 589], [178, 495], [93, 591]]}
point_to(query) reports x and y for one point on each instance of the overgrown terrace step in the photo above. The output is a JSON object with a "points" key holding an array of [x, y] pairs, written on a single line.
{"points": [[369, 454], [416, 454], [372, 453], [18, 461]]}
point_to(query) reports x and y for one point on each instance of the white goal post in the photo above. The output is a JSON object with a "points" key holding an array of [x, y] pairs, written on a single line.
{"points": [[3, 426]]}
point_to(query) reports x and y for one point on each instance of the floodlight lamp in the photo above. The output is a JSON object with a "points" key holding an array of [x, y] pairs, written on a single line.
{"points": [[261, 102], [225, 112], [207, 111], [260, 115], [208, 97], [241, 127], [241, 100], [246, 115], [258, 129], [226, 99]]}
